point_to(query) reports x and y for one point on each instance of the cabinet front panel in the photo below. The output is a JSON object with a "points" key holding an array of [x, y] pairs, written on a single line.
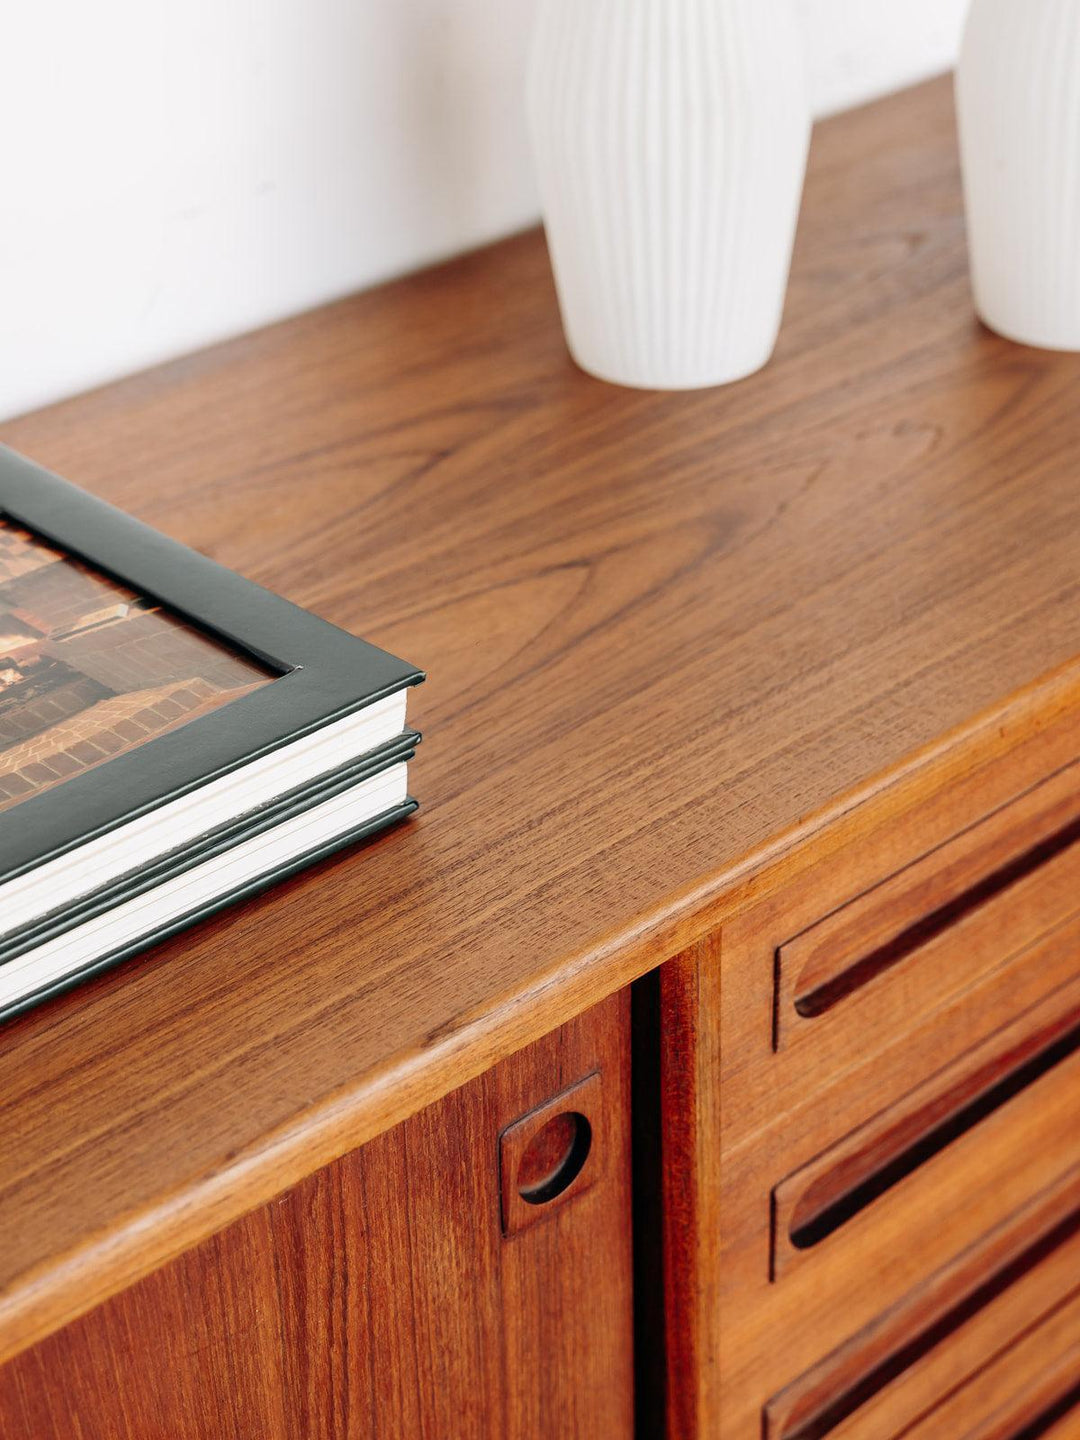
{"points": [[398, 1292], [871, 1108]]}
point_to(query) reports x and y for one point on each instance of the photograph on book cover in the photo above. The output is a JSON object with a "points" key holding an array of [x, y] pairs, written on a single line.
{"points": [[90, 669], [273, 674]]}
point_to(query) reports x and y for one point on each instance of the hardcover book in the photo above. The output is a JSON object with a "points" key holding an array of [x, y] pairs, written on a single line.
{"points": [[172, 736]]}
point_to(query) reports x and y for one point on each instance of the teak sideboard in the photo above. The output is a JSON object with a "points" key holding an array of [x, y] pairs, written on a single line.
{"points": [[705, 1059]]}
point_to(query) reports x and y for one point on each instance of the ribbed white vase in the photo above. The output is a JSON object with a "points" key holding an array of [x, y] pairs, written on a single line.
{"points": [[1018, 95], [670, 139]]}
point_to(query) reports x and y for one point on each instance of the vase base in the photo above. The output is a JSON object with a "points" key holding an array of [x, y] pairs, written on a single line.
{"points": [[1020, 335], [671, 385]]}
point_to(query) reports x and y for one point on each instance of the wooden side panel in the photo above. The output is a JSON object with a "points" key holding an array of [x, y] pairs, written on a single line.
{"points": [[693, 1223], [381, 1297]]}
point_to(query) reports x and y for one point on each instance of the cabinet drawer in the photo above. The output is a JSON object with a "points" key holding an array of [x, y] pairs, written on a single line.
{"points": [[982, 1349], [881, 963], [871, 1081], [1030, 1392], [953, 1155]]}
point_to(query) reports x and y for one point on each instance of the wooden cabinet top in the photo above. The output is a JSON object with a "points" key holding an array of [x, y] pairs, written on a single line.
{"points": [[668, 637]]}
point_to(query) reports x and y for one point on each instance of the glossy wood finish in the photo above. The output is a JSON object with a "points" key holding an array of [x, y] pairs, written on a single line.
{"points": [[1023, 1389], [680, 649], [859, 1220], [938, 925], [1022, 1071], [380, 1297], [954, 1329]]}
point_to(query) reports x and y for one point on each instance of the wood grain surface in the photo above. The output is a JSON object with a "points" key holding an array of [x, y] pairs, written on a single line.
{"points": [[380, 1299], [668, 637], [850, 1217]]}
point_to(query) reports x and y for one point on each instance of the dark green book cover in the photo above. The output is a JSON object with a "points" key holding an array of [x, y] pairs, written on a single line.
{"points": [[143, 686]]}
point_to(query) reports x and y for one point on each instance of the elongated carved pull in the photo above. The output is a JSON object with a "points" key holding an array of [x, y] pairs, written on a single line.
{"points": [[816, 994], [848, 1383], [1050, 1418], [820, 1199], [937, 926]]}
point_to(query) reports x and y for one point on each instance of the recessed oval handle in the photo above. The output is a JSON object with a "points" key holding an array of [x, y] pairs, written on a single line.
{"points": [[554, 1158], [552, 1155]]}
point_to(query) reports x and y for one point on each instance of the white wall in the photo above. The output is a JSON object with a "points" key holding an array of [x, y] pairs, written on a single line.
{"points": [[860, 49], [173, 174]]}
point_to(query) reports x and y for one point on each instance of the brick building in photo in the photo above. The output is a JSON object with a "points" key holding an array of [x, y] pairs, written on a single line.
{"points": [[89, 669]]}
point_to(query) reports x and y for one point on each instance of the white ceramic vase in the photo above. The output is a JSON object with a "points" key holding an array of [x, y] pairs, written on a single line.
{"points": [[670, 139], [1018, 96]]}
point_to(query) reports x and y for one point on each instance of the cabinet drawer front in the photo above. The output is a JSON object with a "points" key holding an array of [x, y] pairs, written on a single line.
{"points": [[1030, 1392], [871, 1080], [993, 1126], [1067, 1428], [948, 1163], [947, 921], [971, 1321]]}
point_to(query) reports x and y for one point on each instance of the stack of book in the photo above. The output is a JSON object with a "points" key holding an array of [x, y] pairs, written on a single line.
{"points": [[173, 738]]}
